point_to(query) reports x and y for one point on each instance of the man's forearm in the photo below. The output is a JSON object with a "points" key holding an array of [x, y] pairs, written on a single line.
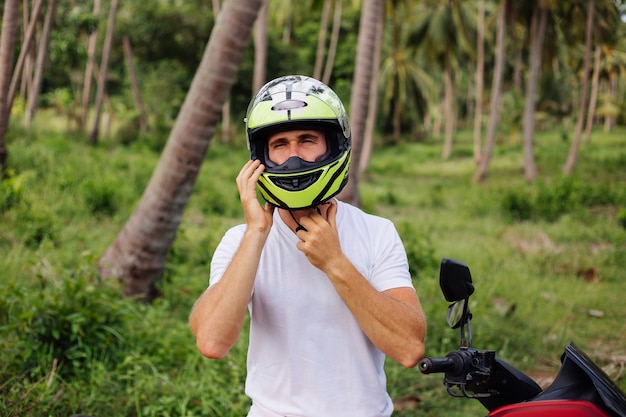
{"points": [[393, 320], [218, 315]]}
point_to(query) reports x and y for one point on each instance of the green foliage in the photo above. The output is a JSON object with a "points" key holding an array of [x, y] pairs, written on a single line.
{"points": [[73, 320], [420, 250], [621, 216], [69, 344], [517, 205], [550, 201], [38, 226], [100, 197], [12, 189]]}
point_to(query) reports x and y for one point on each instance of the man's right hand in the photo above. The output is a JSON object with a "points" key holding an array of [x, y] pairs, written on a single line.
{"points": [[257, 217]]}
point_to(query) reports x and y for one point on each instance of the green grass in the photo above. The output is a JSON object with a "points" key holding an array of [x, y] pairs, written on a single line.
{"points": [[547, 259]]}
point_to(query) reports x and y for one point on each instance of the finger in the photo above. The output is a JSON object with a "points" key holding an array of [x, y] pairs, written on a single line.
{"points": [[331, 214], [258, 171], [305, 223], [245, 170], [250, 172]]}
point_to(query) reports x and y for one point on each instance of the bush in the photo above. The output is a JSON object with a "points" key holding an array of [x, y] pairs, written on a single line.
{"points": [[551, 201], [72, 320], [517, 206], [100, 197], [11, 189], [621, 217], [419, 249], [554, 200], [36, 227]]}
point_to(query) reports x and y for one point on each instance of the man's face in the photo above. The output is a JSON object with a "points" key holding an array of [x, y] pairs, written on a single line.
{"points": [[309, 145]]}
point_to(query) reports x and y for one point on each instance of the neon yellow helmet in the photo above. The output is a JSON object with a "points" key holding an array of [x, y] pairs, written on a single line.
{"points": [[298, 102]]}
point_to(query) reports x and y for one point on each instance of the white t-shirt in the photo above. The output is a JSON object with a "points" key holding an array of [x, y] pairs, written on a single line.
{"points": [[307, 354]]}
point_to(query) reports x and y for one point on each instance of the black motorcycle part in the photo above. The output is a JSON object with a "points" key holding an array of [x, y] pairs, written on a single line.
{"points": [[581, 379]]}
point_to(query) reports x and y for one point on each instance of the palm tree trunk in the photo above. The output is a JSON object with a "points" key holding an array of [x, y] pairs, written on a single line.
{"points": [[609, 119], [537, 34], [42, 56], [480, 75], [370, 126], [138, 254], [321, 41], [28, 38], [226, 131], [7, 50], [359, 99], [104, 68], [134, 85], [397, 121], [260, 49], [595, 85], [334, 40], [496, 87], [448, 107], [568, 168], [89, 68], [26, 82]]}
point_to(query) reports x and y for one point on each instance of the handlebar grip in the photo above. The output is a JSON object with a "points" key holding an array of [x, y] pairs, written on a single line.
{"points": [[437, 365]]}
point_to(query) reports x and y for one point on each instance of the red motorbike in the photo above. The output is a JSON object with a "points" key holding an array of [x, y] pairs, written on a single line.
{"points": [[581, 388]]}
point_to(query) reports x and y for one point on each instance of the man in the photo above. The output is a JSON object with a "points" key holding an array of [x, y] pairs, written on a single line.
{"points": [[327, 286]]}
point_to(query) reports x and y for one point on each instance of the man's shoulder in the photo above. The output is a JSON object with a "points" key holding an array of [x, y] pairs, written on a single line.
{"points": [[235, 232], [357, 214]]}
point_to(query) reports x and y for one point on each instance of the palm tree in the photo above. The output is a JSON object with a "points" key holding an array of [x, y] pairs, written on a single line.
{"points": [[573, 154], [284, 13], [138, 254], [494, 117], [104, 66], [89, 68], [226, 133], [42, 56], [370, 126], [7, 50], [537, 34], [29, 36], [371, 11], [134, 84], [612, 68], [593, 99], [405, 84], [334, 41], [321, 40], [260, 49], [443, 37], [480, 75], [606, 26]]}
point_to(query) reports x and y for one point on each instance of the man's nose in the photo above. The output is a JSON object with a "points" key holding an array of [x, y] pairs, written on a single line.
{"points": [[294, 150]]}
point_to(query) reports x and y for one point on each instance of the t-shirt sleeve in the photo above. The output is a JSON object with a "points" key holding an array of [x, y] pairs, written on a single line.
{"points": [[225, 252], [391, 266]]}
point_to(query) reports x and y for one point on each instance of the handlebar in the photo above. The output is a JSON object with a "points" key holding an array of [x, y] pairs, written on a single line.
{"points": [[436, 365], [454, 364]]}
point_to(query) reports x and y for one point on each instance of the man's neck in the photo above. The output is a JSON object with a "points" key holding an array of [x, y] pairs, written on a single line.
{"points": [[292, 220]]}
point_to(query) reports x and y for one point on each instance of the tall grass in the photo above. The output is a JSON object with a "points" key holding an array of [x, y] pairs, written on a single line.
{"points": [[547, 258]]}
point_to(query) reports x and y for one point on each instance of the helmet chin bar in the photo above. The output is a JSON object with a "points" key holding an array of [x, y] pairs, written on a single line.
{"points": [[293, 166], [296, 183]]}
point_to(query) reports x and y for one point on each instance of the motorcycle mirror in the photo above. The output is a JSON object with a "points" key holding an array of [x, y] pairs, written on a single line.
{"points": [[455, 280], [456, 314]]}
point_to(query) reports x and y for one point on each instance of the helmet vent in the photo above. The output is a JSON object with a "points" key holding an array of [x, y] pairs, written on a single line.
{"points": [[289, 105], [296, 183]]}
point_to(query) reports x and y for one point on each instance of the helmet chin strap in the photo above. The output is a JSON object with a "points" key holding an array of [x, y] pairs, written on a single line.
{"points": [[300, 227]]}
